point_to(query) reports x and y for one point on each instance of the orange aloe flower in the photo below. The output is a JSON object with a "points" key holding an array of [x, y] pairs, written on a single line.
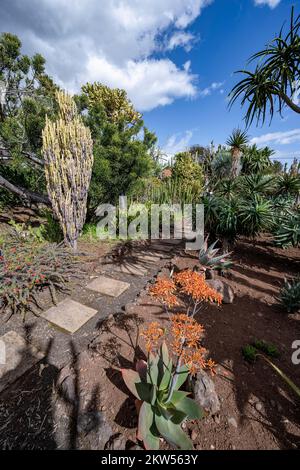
{"points": [[164, 290], [152, 334], [193, 283]]}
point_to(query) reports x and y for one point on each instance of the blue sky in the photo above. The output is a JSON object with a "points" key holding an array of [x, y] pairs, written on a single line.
{"points": [[229, 32], [175, 58]]}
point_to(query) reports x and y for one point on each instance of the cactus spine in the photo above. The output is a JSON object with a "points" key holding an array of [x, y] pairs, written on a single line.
{"points": [[68, 154]]}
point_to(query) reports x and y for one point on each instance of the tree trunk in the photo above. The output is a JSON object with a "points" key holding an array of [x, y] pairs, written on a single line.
{"points": [[235, 164], [24, 193]]}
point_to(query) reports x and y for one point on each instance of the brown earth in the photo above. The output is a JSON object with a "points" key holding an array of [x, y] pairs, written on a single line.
{"points": [[258, 411]]}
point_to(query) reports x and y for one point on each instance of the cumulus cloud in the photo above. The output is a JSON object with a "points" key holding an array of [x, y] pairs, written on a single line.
{"points": [[117, 42], [177, 143], [280, 138], [271, 3]]}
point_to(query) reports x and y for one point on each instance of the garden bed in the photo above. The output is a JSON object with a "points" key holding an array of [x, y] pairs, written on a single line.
{"points": [[257, 410]]}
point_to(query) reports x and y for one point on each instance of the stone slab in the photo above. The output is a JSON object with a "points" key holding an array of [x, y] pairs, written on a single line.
{"points": [[69, 315], [16, 357], [133, 269], [108, 286]]}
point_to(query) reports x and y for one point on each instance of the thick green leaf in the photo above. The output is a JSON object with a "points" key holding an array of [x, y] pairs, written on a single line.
{"points": [[131, 379], [182, 376], [190, 408], [152, 372], [145, 391], [145, 426], [165, 381], [177, 396], [173, 433], [163, 361], [178, 416]]}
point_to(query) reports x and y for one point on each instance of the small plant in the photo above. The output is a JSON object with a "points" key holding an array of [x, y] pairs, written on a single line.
{"points": [[288, 230], [156, 383], [290, 295], [208, 256], [252, 353], [27, 267], [268, 348]]}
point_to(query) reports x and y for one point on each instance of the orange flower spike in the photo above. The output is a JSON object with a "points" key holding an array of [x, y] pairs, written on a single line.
{"points": [[164, 290], [152, 334], [211, 365], [193, 283]]}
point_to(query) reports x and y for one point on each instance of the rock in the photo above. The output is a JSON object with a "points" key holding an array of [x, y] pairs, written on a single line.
{"points": [[194, 435], [258, 406], [210, 274], [67, 389], [205, 394], [224, 289], [116, 442], [232, 422], [94, 431]]}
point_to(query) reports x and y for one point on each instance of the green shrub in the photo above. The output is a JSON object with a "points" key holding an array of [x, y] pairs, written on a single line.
{"points": [[290, 295]]}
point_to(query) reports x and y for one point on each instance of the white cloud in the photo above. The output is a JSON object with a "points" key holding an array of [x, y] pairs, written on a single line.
{"points": [[181, 39], [211, 88], [177, 143], [112, 41], [149, 83], [271, 3], [279, 138]]}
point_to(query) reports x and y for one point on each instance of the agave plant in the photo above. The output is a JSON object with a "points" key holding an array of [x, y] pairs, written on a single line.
{"points": [[227, 188], [288, 184], [164, 407], [255, 160], [256, 215], [208, 256], [288, 230], [256, 184], [290, 295]]}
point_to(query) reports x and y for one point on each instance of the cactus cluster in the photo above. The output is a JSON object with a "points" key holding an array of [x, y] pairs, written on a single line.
{"points": [[68, 154]]}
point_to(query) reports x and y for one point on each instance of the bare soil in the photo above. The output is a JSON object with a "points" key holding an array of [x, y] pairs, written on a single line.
{"points": [[258, 411]]}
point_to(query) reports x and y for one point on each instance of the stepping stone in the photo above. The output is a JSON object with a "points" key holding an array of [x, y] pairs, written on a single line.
{"points": [[161, 247], [69, 315], [133, 269], [107, 286], [16, 357]]}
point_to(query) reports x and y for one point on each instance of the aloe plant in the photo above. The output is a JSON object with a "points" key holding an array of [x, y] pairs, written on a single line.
{"points": [[208, 256], [164, 407]]}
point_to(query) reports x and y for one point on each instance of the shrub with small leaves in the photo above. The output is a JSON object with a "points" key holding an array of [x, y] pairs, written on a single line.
{"points": [[290, 295], [268, 348]]}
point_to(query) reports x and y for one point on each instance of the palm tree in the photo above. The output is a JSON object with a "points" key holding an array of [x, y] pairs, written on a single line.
{"points": [[274, 79], [237, 142]]}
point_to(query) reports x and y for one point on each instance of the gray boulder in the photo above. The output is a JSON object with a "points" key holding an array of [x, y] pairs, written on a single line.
{"points": [[205, 394], [224, 289]]}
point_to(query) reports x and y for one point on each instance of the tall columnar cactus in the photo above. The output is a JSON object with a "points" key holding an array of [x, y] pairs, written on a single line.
{"points": [[68, 154]]}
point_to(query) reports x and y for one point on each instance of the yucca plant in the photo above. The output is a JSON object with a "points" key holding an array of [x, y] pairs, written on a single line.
{"points": [[208, 256], [255, 216], [227, 225], [211, 209], [227, 188], [256, 184], [288, 184], [255, 160], [287, 232], [290, 295], [237, 142]]}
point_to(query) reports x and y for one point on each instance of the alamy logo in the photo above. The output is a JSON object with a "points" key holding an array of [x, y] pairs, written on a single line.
{"points": [[296, 354], [141, 221]]}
